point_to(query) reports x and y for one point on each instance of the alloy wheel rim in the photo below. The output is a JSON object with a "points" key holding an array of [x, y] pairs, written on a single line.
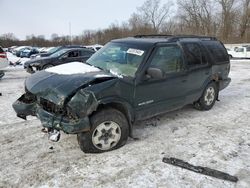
{"points": [[106, 135], [209, 96]]}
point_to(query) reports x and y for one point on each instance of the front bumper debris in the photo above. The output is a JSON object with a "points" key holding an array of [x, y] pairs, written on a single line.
{"points": [[54, 135], [60, 122], [27, 105], [30, 70]]}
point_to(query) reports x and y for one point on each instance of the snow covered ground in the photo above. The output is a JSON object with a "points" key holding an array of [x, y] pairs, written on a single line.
{"points": [[219, 139]]}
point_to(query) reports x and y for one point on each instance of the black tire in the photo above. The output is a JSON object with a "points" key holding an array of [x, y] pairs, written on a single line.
{"points": [[47, 66], [108, 117], [208, 98]]}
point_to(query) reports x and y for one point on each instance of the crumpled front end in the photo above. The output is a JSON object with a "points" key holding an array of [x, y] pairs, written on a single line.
{"points": [[71, 117]]}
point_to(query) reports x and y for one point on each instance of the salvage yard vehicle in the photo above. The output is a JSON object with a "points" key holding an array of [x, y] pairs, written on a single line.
{"points": [[53, 50], [65, 55], [28, 52], [3, 61], [127, 80], [239, 52]]}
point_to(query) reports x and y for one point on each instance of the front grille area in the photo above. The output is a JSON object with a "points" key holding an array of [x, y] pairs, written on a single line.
{"points": [[51, 107]]}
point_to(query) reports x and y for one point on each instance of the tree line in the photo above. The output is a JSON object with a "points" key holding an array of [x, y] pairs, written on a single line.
{"points": [[228, 20]]}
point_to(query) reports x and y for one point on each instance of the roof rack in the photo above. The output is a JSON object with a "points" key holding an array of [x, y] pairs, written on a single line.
{"points": [[153, 36], [176, 37]]}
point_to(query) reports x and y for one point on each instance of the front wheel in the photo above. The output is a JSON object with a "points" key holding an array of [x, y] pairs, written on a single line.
{"points": [[208, 98], [109, 131], [47, 66]]}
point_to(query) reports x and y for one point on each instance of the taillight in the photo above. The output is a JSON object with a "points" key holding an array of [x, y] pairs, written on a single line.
{"points": [[3, 55]]}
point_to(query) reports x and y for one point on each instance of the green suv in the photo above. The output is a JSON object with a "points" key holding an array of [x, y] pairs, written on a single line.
{"points": [[127, 80]]}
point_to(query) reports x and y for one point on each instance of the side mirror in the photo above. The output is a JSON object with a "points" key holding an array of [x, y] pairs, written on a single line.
{"points": [[154, 73]]}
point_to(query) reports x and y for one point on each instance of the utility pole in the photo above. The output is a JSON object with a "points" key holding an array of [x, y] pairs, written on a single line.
{"points": [[70, 37]]}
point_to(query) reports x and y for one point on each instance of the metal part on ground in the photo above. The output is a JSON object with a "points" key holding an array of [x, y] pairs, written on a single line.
{"points": [[54, 135], [198, 169]]}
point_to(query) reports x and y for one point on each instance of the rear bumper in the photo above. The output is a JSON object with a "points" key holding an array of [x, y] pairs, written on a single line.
{"points": [[4, 64], [49, 120], [224, 83]]}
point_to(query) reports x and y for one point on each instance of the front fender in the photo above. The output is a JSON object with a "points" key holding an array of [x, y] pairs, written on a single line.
{"points": [[83, 103]]}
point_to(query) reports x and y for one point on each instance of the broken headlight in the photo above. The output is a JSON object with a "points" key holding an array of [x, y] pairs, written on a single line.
{"points": [[51, 107], [28, 98]]}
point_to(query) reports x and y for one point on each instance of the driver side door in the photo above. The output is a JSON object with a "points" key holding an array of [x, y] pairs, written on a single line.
{"points": [[163, 86]]}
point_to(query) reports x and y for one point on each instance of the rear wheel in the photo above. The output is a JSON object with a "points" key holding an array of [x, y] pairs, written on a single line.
{"points": [[109, 131], [208, 98]]}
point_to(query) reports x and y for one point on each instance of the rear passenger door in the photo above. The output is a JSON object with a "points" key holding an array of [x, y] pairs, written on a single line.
{"points": [[199, 69]]}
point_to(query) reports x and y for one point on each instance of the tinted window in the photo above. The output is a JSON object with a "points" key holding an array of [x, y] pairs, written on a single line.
{"points": [[168, 59], [248, 49], [86, 52], [73, 54], [194, 54], [217, 51]]}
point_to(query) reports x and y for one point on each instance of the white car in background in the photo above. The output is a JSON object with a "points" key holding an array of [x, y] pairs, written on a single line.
{"points": [[3, 61], [239, 52], [95, 47]]}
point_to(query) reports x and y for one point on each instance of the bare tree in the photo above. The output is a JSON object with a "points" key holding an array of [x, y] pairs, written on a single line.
{"points": [[151, 12], [197, 16], [228, 13], [245, 17]]}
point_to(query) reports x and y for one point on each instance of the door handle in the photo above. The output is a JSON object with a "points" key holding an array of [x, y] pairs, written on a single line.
{"points": [[183, 81]]}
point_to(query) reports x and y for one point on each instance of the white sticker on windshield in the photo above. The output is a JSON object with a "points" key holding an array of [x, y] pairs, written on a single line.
{"points": [[135, 51]]}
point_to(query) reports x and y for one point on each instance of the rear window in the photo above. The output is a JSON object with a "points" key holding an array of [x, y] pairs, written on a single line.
{"points": [[1, 50], [86, 52], [217, 51]]}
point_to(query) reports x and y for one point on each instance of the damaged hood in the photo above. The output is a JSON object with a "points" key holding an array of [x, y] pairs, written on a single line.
{"points": [[57, 83]]}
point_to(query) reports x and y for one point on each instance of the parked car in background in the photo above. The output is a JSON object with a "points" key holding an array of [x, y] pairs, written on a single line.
{"points": [[17, 51], [10, 49], [28, 52], [128, 80], [54, 50], [239, 52], [95, 47], [3, 61], [65, 55]]}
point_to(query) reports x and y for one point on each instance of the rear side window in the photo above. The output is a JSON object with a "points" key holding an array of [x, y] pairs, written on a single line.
{"points": [[86, 52], [1, 50], [217, 51], [194, 54]]}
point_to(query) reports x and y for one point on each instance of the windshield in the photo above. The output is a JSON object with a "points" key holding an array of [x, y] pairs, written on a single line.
{"points": [[118, 58], [59, 53]]}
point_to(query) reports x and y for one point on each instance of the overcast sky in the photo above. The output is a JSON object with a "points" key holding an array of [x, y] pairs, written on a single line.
{"points": [[45, 17]]}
